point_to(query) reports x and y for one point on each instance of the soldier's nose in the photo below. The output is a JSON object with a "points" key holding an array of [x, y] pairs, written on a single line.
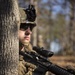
{"points": [[28, 31]]}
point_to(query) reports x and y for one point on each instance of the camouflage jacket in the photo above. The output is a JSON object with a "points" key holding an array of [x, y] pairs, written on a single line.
{"points": [[27, 68]]}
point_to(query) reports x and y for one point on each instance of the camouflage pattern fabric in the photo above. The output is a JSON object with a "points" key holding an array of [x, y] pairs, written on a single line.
{"points": [[27, 68]]}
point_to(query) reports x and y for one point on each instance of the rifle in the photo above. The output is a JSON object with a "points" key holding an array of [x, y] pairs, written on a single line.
{"points": [[41, 60]]}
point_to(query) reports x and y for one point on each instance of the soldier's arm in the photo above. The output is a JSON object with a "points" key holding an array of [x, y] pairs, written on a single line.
{"points": [[21, 68], [25, 68]]}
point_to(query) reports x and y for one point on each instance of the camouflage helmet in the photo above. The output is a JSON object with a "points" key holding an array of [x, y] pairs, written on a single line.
{"points": [[23, 18]]}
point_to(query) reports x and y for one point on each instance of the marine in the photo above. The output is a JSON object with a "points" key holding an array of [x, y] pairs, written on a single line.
{"points": [[26, 66]]}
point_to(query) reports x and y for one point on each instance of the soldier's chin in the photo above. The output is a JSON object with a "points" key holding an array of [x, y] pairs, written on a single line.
{"points": [[26, 43]]}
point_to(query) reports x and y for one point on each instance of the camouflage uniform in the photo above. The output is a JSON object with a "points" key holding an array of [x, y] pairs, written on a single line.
{"points": [[27, 68]]}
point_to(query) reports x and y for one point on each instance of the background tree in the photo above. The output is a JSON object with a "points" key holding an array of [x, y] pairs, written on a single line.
{"points": [[58, 25], [9, 49]]}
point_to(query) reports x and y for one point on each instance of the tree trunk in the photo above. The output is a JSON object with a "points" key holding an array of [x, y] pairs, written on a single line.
{"points": [[34, 35], [71, 28], [9, 52]]}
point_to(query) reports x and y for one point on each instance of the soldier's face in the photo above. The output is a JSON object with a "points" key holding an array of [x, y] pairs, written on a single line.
{"points": [[25, 34]]}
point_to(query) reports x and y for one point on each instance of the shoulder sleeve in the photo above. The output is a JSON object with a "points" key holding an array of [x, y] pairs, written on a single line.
{"points": [[21, 66]]}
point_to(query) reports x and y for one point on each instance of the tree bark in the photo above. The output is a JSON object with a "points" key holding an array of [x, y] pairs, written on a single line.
{"points": [[9, 52], [34, 35]]}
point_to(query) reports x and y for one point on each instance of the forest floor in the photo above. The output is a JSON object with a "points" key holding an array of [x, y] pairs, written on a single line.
{"points": [[63, 61]]}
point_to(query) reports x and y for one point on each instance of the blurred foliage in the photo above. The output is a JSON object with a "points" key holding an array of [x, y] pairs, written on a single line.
{"points": [[55, 20]]}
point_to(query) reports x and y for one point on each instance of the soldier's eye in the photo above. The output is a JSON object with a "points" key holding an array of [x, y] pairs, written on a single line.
{"points": [[26, 26], [31, 28]]}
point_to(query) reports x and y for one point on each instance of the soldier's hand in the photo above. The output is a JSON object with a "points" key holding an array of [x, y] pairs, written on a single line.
{"points": [[21, 68], [30, 66], [31, 13]]}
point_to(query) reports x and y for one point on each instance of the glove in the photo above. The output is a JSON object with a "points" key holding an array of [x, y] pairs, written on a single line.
{"points": [[21, 68], [31, 13], [30, 66]]}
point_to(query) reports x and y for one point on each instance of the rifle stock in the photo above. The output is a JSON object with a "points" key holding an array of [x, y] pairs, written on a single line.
{"points": [[44, 63]]}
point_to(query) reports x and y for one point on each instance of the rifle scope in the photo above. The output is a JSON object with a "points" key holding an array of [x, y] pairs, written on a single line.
{"points": [[43, 52]]}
